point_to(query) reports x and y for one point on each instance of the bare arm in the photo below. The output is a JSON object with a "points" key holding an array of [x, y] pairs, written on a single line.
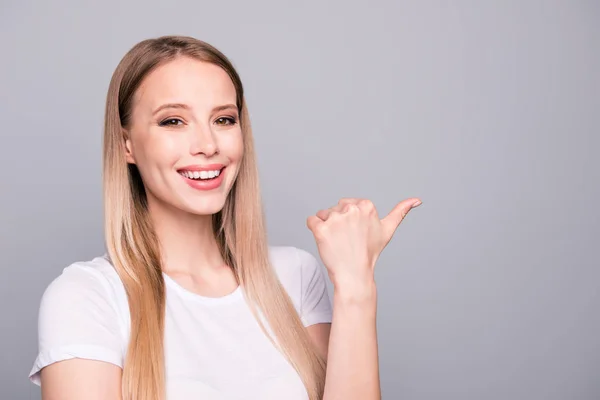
{"points": [[353, 363], [79, 379], [350, 237]]}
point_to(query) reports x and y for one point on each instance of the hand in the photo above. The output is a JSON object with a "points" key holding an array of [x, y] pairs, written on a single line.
{"points": [[350, 237]]}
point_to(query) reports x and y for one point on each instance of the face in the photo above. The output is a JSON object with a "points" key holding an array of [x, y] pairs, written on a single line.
{"points": [[184, 136]]}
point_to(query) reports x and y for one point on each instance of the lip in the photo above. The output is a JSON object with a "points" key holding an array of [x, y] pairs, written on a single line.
{"points": [[208, 167], [207, 184]]}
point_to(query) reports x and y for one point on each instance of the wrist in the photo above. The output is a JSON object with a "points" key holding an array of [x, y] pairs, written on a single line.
{"points": [[354, 290]]}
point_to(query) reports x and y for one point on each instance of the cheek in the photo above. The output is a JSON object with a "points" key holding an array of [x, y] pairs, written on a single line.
{"points": [[233, 146], [157, 151], [154, 155]]}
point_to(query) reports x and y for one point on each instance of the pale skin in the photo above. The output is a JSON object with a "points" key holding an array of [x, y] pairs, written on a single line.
{"points": [[200, 128], [350, 237]]}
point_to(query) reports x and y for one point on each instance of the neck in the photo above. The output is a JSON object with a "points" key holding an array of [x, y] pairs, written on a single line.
{"points": [[187, 242]]}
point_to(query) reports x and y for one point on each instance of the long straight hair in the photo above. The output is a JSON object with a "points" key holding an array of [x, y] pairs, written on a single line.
{"points": [[239, 228]]}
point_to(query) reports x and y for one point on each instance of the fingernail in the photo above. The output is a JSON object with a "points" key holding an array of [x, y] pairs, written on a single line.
{"points": [[417, 204]]}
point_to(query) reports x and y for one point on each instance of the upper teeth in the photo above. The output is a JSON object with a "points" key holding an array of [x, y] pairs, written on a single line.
{"points": [[200, 174]]}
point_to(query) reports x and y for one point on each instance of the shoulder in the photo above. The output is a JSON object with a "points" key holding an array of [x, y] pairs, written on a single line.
{"points": [[84, 280], [304, 279], [84, 289], [96, 269], [292, 264], [82, 315]]}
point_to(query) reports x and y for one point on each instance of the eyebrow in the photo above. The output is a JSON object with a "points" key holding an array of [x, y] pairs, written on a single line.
{"points": [[186, 107], [225, 107]]}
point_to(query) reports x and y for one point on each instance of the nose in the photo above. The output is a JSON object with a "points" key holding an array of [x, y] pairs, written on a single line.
{"points": [[203, 141]]}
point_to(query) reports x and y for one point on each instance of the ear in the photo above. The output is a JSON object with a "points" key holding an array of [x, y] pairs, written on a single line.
{"points": [[127, 147]]}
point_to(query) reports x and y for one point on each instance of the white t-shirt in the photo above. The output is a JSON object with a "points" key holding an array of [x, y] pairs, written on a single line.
{"points": [[214, 347]]}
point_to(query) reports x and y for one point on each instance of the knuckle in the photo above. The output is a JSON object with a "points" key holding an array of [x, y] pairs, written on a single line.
{"points": [[335, 215], [366, 203], [353, 208], [321, 230]]}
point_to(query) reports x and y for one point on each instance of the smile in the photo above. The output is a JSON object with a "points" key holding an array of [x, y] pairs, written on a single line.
{"points": [[203, 177]]}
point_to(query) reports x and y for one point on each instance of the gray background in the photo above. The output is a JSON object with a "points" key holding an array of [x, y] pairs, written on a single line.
{"points": [[488, 111]]}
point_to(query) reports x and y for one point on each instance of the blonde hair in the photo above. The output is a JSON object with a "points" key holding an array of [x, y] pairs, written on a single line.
{"points": [[239, 229]]}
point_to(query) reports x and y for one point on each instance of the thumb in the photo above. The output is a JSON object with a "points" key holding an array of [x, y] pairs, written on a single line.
{"points": [[394, 218]]}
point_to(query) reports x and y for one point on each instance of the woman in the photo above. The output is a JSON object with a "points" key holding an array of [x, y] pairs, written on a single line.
{"points": [[190, 301]]}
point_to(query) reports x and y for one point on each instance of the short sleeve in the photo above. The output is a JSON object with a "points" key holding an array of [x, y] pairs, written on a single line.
{"points": [[315, 306], [77, 319]]}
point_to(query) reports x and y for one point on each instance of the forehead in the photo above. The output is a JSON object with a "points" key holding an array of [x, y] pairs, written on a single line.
{"points": [[200, 84]]}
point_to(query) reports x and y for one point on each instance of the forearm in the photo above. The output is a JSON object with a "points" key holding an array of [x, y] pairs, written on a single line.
{"points": [[352, 362]]}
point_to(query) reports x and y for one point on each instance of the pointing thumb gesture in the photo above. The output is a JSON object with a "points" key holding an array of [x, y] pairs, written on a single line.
{"points": [[390, 223], [350, 237]]}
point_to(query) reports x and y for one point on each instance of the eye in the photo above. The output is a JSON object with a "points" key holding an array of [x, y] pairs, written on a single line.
{"points": [[225, 121], [171, 122]]}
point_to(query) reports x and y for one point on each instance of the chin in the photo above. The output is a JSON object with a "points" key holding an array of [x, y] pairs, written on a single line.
{"points": [[205, 211], [207, 203], [208, 208]]}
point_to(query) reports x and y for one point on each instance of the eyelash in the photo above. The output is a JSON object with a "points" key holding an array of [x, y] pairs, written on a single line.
{"points": [[230, 120], [165, 122]]}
